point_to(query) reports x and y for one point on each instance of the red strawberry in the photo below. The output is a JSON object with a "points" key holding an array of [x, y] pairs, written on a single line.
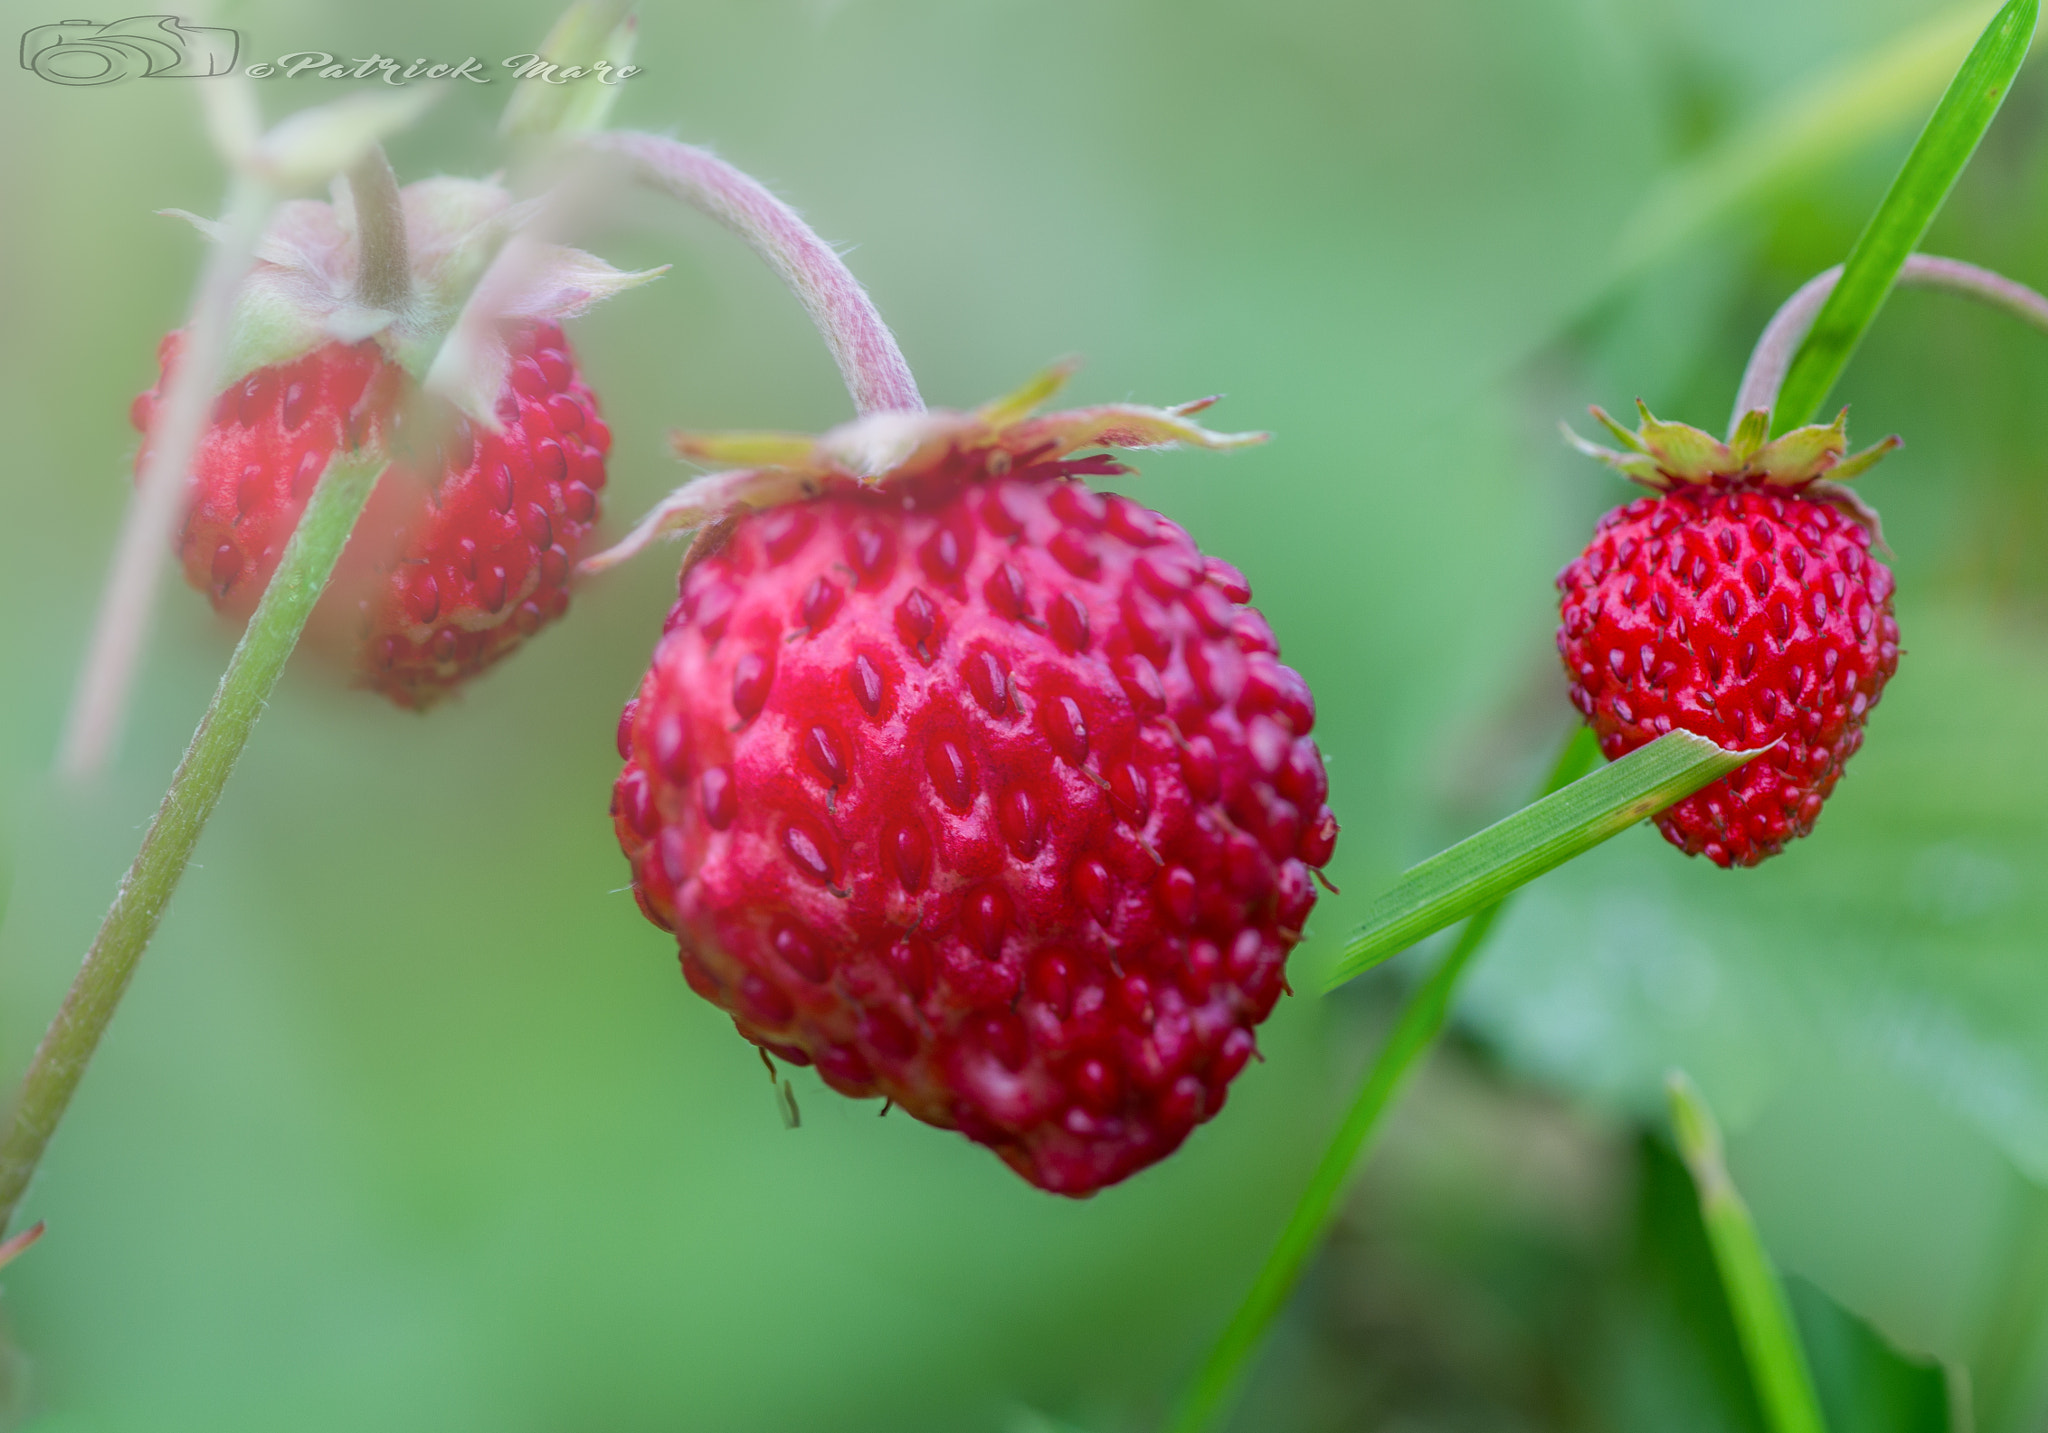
{"points": [[1742, 603], [978, 789], [461, 555], [466, 547]]}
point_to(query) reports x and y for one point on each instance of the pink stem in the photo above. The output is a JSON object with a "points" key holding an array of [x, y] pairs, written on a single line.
{"points": [[866, 352], [1775, 347], [127, 601]]}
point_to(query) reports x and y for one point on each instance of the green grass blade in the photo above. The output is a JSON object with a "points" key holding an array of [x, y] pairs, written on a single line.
{"points": [[1901, 220], [1763, 1320], [1209, 1393], [1481, 869]]}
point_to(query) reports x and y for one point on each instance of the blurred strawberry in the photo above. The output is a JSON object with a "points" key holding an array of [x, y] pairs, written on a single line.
{"points": [[469, 540]]}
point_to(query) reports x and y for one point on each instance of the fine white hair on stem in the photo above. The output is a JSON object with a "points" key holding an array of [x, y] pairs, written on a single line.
{"points": [[866, 351], [1772, 358]]}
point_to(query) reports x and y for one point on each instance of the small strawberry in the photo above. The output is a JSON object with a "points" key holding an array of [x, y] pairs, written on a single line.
{"points": [[1741, 603], [976, 788], [468, 542]]}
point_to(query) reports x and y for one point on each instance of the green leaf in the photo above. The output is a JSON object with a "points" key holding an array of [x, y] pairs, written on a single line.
{"points": [[1864, 1383], [1916, 196], [1481, 869]]}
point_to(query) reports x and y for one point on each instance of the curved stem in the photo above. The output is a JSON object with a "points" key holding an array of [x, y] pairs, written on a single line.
{"points": [[1205, 1401], [384, 272], [1772, 357], [869, 360], [138, 907]]}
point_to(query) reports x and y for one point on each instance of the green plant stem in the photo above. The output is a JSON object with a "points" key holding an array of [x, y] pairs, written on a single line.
{"points": [[67, 1047], [1763, 1320], [1909, 206], [1209, 1395]]}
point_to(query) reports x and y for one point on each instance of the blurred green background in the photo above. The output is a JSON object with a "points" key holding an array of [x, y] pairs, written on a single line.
{"points": [[409, 1122]]}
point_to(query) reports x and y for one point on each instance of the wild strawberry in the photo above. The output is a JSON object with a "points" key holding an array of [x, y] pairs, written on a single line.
{"points": [[974, 787], [468, 542], [1742, 603]]}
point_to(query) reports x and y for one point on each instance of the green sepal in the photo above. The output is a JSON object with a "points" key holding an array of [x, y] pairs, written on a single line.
{"points": [[1627, 439], [1681, 450], [1750, 435], [1666, 456], [1857, 464], [1637, 467], [1804, 453]]}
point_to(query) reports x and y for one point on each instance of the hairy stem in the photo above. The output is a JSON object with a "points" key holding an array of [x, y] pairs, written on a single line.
{"points": [[384, 275], [867, 354], [1763, 1321], [1772, 357], [127, 600], [1209, 1396], [138, 907]]}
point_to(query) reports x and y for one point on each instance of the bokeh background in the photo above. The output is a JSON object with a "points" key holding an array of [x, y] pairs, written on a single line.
{"points": [[409, 1122]]}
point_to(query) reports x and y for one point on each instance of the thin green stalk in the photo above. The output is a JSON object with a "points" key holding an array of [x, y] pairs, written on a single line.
{"points": [[1909, 206], [1763, 1320], [1421, 1020], [245, 687]]}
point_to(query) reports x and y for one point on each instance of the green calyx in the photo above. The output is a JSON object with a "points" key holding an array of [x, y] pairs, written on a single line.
{"points": [[1666, 456]]}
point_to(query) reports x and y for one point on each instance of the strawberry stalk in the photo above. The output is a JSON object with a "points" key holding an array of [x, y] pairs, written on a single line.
{"points": [[1794, 320], [869, 359], [138, 907], [245, 687]]}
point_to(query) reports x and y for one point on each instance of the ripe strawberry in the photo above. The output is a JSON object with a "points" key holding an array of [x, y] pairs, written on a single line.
{"points": [[976, 788], [1742, 603], [466, 547]]}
